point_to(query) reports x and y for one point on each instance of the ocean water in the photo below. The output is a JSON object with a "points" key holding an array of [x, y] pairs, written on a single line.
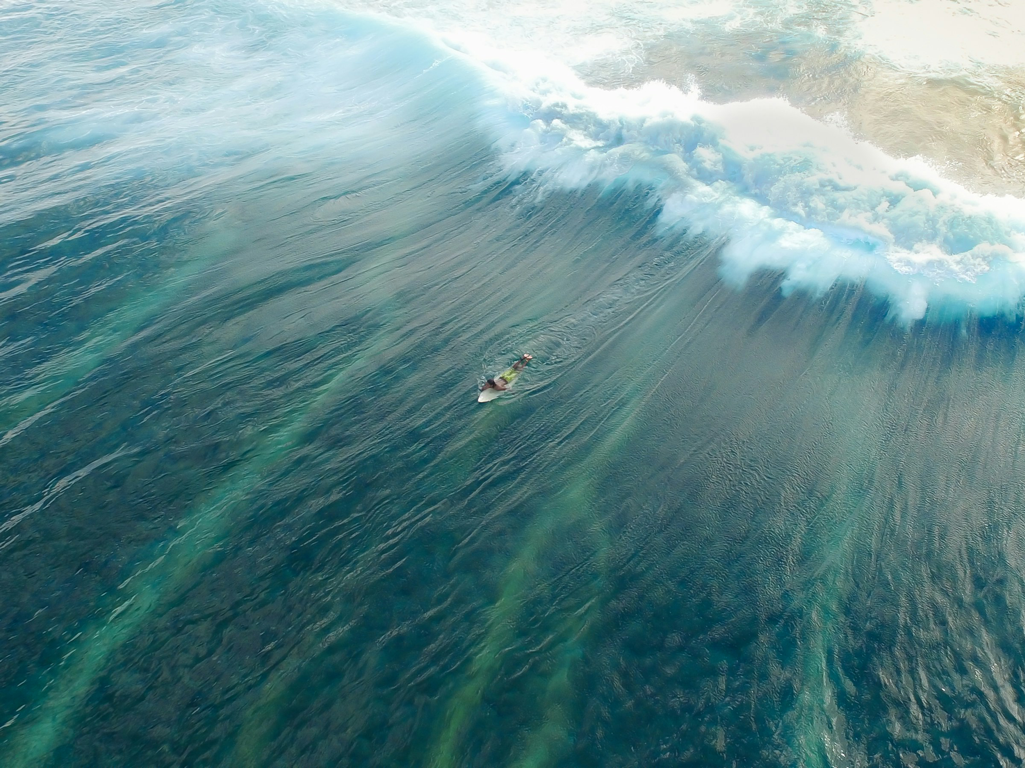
{"points": [[758, 500]]}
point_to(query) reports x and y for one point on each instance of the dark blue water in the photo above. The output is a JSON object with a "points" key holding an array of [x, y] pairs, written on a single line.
{"points": [[255, 260]]}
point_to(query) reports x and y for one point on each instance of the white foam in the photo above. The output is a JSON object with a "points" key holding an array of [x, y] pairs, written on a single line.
{"points": [[571, 32], [911, 34], [789, 192], [944, 34]]}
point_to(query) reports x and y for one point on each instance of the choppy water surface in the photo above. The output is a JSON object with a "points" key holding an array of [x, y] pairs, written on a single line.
{"points": [[757, 501]]}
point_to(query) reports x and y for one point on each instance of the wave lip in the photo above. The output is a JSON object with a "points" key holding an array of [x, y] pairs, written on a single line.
{"points": [[790, 193]]}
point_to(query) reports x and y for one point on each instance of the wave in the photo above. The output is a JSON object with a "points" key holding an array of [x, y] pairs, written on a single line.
{"points": [[790, 193], [786, 192]]}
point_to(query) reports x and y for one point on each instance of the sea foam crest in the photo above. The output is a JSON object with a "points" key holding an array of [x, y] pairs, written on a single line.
{"points": [[789, 192]]}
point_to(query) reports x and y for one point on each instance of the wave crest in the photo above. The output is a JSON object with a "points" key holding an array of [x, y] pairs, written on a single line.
{"points": [[791, 193]]}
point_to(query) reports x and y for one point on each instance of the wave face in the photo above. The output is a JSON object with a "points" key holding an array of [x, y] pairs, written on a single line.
{"points": [[789, 193], [756, 501], [802, 194]]}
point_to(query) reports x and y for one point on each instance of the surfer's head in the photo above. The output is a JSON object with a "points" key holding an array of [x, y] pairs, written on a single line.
{"points": [[491, 383]]}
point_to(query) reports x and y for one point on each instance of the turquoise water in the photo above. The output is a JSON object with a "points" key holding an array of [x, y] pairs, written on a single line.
{"points": [[257, 257]]}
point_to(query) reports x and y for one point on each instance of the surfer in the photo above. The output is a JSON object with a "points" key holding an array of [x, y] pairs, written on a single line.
{"points": [[501, 382]]}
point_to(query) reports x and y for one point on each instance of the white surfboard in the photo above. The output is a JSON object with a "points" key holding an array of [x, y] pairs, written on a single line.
{"points": [[489, 394]]}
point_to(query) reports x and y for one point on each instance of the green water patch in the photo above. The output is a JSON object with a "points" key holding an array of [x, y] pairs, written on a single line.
{"points": [[452, 472], [630, 362], [256, 731], [200, 531], [208, 525], [50, 382]]}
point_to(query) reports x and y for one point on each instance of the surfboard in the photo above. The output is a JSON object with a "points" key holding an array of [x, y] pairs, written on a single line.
{"points": [[489, 394]]}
